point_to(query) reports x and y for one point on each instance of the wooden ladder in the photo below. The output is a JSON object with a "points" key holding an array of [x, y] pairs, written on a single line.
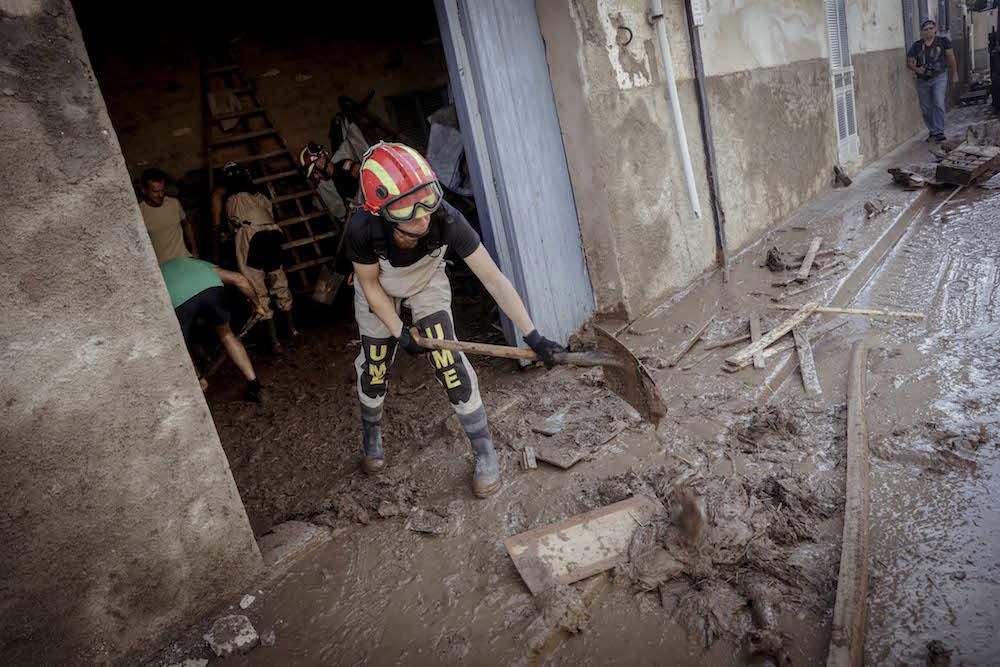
{"points": [[251, 138]]}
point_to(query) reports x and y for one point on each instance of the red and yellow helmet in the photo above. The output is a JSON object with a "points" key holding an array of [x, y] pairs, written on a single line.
{"points": [[397, 183], [313, 159]]}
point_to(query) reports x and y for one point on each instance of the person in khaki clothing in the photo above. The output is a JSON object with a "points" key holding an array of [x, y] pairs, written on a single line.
{"points": [[165, 219], [258, 243]]}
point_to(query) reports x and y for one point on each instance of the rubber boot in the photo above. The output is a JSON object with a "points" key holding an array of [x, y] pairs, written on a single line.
{"points": [[290, 329], [266, 333], [373, 459], [486, 477]]}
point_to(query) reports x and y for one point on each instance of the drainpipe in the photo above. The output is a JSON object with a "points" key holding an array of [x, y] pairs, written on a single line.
{"points": [[708, 141], [656, 18]]}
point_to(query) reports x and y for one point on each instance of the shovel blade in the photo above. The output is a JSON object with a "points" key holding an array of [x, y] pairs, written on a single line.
{"points": [[630, 379]]}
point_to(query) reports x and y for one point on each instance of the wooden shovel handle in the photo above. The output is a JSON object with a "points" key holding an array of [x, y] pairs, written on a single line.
{"points": [[507, 352]]}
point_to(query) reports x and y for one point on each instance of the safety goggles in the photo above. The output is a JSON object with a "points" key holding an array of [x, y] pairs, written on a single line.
{"points": [[423, 200]]}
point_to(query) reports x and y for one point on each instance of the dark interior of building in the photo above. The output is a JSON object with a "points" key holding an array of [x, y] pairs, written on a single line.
{"points": [[192, 86]]}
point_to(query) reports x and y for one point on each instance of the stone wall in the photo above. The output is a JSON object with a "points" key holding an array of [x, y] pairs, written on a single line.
{"points": [[121, 521]]}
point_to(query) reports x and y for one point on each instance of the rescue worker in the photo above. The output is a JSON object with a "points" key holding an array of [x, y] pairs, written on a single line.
{"points": [[397, 241], [258, 243], [336, 181], [196, 291]]}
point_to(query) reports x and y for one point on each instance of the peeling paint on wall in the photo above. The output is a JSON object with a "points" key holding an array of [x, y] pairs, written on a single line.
{"points": [[627, 54]]}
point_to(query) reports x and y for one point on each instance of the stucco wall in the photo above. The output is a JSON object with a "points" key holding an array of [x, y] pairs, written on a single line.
{"points": [[120, 517], [770, 97], [886, 105]]}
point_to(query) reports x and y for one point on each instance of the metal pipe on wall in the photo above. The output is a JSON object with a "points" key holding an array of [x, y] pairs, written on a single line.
{"points": [[708, 141], [656, 18]]}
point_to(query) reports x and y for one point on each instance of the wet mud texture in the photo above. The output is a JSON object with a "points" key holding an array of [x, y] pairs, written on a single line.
{"points": [[744, 561]]}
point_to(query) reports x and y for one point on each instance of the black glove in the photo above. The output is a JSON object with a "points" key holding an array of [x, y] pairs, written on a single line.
{"points": [[407, 343], [543, 347]]}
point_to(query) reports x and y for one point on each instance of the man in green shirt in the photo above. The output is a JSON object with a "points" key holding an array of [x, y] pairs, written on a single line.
{"points": [[196, 290]]}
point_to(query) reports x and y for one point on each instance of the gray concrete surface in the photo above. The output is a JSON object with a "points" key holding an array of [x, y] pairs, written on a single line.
{"points": [[121, 521]]}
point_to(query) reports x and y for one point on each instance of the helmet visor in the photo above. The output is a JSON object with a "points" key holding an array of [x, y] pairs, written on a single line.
{"points": [[424, 200]]}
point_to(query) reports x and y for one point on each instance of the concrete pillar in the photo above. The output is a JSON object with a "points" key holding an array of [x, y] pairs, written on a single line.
{"points": [[119, 518]]}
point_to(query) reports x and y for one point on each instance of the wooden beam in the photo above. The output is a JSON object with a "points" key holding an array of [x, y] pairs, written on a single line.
{"points": [[807, 365], [294, 220], [758, 358], [857, 311], [239, 138], [277, 176], [848, 636], [814, 334], [809, 258], [690, 343], [745, 356], [727, 341]]}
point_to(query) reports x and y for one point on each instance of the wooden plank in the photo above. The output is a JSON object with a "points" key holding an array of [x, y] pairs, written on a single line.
{"points": [[807, 365], [815, 333], [690, 343], [758, 358], [301, 194], [294, 220], [277, 176], [239, 138], [528, 459], [726, 342], [809, 258], [745, 356], [871, 312], [236, 114], [580, 546], [848, 636], [307, 240], [301, 266]]}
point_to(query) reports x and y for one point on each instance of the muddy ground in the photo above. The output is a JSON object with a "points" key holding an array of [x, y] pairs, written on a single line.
{"points": [[751, 471]]}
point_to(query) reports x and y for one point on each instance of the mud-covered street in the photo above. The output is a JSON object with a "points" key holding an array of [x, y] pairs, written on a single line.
{"points": [[758, 459]]}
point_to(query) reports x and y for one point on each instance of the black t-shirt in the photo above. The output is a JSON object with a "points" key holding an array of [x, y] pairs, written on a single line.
{"points": [[931, 58], [448, 227]]}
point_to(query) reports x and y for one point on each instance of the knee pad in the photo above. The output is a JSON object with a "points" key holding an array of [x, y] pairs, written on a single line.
{"points": [[378, 356], [448, 366]]}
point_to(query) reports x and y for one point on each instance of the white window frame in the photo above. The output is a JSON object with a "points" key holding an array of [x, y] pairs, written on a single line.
{"points": [[842, 81]]}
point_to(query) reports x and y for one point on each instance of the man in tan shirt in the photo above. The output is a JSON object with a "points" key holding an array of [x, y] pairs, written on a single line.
{"points": [[165, 219]]}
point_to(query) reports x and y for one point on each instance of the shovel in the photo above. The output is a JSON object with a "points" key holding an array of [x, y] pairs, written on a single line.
{"points": [[623, 373]]}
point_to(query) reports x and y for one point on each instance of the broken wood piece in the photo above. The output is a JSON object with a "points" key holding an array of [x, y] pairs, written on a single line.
{"points": [[856, 311], [807, 365], [528, 459], [814, 334], [726, 342], [690, 343], [966, 163], [758, 358], [745, 356], [817, 282], [810, 257], [847, 638], [580, 546]]}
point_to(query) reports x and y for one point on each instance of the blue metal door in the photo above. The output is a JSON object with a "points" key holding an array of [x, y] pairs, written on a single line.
{"points": [[500, 77]]}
